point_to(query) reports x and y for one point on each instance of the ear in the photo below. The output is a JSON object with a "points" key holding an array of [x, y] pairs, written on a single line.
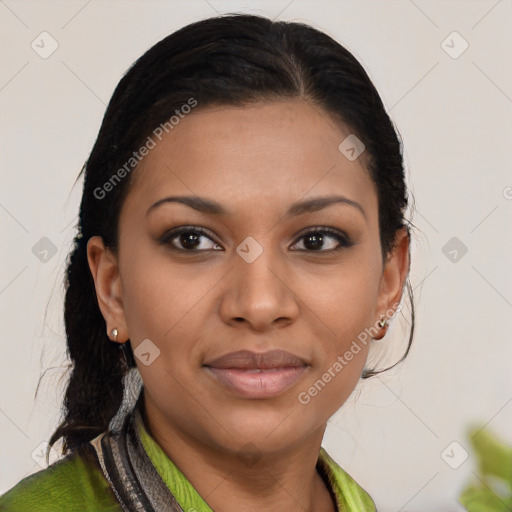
{"points": [[394, 274], [107, 281]]}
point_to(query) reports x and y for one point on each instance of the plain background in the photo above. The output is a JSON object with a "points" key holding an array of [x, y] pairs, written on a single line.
{"points": [[454, 114]]}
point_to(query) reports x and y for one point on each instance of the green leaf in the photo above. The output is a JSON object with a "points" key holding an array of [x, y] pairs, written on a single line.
{"points": [[476, 499], [493, 455]]}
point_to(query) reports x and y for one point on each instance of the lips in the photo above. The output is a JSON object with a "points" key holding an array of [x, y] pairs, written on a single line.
{"points": [[247, 360], [257, 375]]}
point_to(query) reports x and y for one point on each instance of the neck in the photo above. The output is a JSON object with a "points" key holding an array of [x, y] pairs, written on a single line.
{"points": [[247, 480]]}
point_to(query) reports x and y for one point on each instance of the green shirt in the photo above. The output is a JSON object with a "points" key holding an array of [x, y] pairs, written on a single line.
{"points": [[76, 483]]}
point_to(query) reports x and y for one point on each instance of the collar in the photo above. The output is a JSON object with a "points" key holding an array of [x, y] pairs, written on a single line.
{"points": [[349, 496]]}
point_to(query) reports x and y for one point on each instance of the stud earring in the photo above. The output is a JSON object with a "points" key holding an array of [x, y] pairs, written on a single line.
{"points": [[382, 322], [114, 332]]}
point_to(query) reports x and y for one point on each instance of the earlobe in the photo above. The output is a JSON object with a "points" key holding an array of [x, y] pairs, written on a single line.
{"points": [[105, 272], [394, 275]]}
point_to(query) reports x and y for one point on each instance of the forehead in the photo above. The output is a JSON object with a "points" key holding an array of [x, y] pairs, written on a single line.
{"points": [[279, 151]]}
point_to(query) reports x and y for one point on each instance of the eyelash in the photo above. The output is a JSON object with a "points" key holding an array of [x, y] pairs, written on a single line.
{"points": [[342, 239]]}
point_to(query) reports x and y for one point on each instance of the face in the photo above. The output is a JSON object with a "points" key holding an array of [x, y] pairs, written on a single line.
{"points": [[243, 301]]}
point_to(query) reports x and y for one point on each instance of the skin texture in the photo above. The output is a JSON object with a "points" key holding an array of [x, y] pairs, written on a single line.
{"points": [[239, 453]]}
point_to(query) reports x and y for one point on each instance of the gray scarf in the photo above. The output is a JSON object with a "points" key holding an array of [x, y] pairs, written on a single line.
{"points": [[124, 462]]}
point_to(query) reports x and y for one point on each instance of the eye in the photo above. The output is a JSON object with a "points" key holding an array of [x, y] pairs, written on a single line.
{"points": [[323, 239], [196, 239], [190, 239]]}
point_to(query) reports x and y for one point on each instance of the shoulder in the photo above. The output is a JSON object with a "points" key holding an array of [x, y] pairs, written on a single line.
{"points": [[350, 496], [72, 483]]}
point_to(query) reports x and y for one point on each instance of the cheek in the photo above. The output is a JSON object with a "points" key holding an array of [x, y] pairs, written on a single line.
{"points": [[164, 302], [344, 298], [344, 309], [160, 305], [342, 353]]}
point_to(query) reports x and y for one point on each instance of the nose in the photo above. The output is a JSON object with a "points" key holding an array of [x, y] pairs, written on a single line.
{"points": [[259, 294]]}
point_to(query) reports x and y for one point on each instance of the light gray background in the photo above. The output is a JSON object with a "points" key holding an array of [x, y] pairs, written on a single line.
{"points": [[454, 115]]}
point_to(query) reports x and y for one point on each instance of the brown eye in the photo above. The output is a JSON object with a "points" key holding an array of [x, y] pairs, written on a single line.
{"points": [[323, 240], [190, 239]]}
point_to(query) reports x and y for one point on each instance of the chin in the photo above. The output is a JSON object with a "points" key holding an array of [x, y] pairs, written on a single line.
{"points": [[266, 427]]}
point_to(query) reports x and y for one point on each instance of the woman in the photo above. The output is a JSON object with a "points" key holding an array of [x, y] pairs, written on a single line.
{"points": [[242, 240]]}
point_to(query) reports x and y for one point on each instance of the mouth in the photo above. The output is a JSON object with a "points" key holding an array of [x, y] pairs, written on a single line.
{"points": [[257, 375]]}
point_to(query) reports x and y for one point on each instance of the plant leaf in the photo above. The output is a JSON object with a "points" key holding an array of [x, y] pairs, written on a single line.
{"points": [[493, 455]]}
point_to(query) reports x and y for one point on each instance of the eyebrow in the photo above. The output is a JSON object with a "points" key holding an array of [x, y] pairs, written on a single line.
{"points": [[204, 205]]}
